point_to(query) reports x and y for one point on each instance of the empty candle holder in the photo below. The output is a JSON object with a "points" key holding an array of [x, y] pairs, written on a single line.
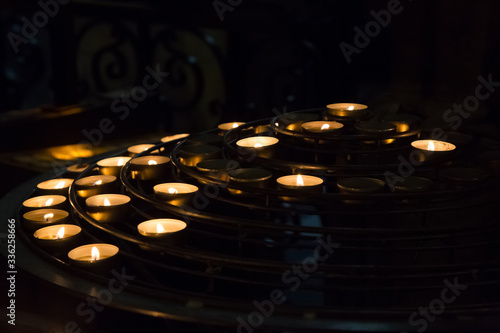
{"points": [[459, 177], [166, 231], [250, 177], [376, 129], [57, 237], [98, 256], [38, 218], [93, 185], [45, 201], [112, 166], [218, 168], [108, 208], [360, 185], [150, 167], [58, 186], [191, 155], [175, 193]]}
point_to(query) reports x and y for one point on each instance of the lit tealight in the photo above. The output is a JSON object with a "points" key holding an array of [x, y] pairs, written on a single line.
{"points": [[113, 165], [45, 201], [57, 236], [93, 255], [38, 218], [223, 128], [57, 186], [108, 207], [263, 145], [160, 227], [321, 126], [347, 110], [150, 167], [94, 185], [175, 193]]}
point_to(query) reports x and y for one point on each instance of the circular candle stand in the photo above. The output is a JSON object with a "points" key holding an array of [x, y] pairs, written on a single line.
{"points": [[337, 257]]}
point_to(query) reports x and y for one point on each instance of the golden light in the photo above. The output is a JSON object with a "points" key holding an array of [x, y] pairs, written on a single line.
{"points": [[120, 162], [59, 185], [257, 145], [99, 182], [300, 181], [152, 162], [60, 233], [430, 146], [235, 125], [48, 216], [106, 202], [172, 190], [325, 126], [48, 202], [95, 254], [350, 108], [159, 228]]}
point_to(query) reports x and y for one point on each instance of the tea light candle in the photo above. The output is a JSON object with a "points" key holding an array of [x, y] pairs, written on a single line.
{"points": [[58, 235], [59, 186], [322, 126], [224, 128], [159, 228], [94, 185], [262, 145], [304, 183], [175, 193], [251, 177], [97, 255], [38, 218], [108, 207], [149, 167], [113, 165], [347, 110], [175, 137], [429, 150], [45, 201], [137, 149], [193, 154]]}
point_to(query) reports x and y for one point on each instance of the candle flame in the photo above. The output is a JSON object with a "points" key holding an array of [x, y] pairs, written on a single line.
{"points": [[350, 108], [95, 254], [106, 202], [48, 202], [60, 233], [430, 146], [257, 145], [172, 190], [48, 216], [235, 125], [120, 162], [152, 162], [99, 182], [159, 228], [325, 126], [300, 181], [60, 184]]}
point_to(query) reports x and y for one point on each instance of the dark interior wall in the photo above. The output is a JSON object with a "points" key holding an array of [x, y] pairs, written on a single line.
{"points": [[422, 58]]}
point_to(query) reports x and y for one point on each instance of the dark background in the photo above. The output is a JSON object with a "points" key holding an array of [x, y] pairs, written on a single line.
{"points": [[264, 55]]}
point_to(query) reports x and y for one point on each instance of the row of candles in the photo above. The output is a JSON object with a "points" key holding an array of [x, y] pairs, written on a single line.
{"points": [[108, 207]]}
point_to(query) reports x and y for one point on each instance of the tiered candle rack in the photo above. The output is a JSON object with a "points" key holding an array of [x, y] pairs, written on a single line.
{"points": [[395, 248]]}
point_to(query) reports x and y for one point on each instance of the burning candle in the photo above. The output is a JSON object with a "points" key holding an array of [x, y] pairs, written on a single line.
{"points": [[38, 218], [59, 186], [193, 154], [108, 207], [346, 110], [322, 126], [262, 145], [159, 228], [224, 128], [432, 150], [175, 137], [137, 149], [45, 201], [94, 185], [150, 167], [299, 184], [97, 255], [57, 236], [113, 165], [175, 193]]}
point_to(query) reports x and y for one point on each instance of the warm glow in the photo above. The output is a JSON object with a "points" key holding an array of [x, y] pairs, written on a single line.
{"points": [[431, 146], [120, 162], [60, 185], [47, 217], [95, 253], [60, 233], [172, 190], [325, 126], [106, 202], [159, 228], [257, 145], [300, 181], [350, 108], [99, 182], [152, 162], [235, 125], [49, 202]]}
